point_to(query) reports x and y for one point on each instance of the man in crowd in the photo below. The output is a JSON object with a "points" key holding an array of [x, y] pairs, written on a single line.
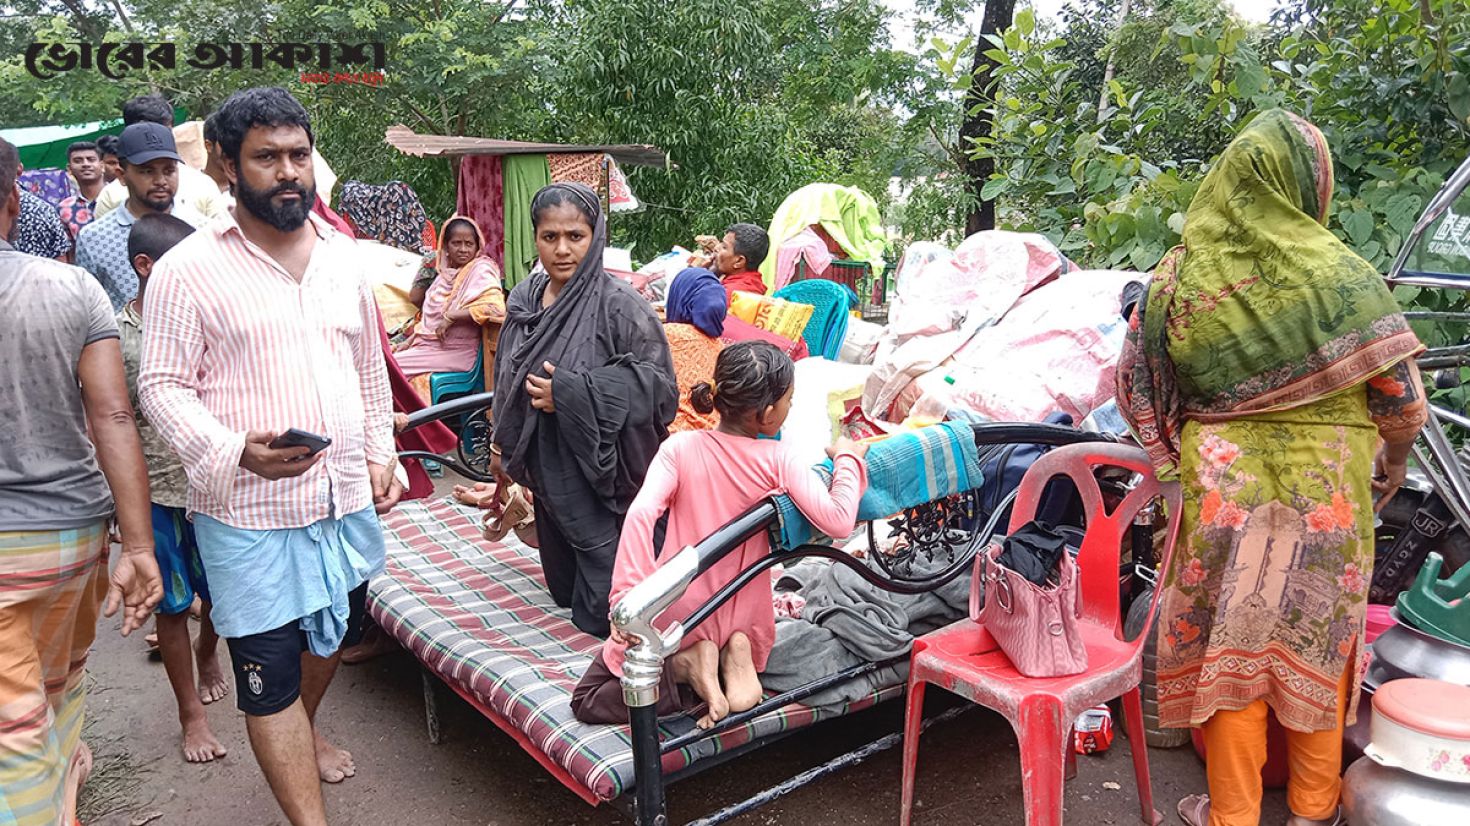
{"points": [[289, 536], [738, 259], [174, 542], [150, 165], [111, 163], [214, 167], [84, 163], [58, 485], [194, 187], [37, 229]]}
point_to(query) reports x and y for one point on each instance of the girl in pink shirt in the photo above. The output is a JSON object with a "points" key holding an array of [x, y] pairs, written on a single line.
{"points": [[702, 480]]}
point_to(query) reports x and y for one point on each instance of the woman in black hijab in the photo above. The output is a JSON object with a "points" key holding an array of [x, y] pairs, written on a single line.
{"points": [[584, 394]]}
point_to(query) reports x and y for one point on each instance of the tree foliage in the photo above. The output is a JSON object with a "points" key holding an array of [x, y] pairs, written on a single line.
{"points": [[755, 99], [751, 100], [1111, 184]]}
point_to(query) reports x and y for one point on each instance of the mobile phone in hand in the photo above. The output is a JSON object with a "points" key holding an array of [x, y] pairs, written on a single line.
{"points": [[301, 438]]}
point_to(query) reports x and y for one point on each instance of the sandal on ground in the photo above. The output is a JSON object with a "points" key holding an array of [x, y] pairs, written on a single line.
{"points": [[1194, 810], [1337, 819]]}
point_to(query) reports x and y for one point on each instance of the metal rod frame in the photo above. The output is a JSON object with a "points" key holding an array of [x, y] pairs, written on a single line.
{"points": [[635, 612], [851, 758]]}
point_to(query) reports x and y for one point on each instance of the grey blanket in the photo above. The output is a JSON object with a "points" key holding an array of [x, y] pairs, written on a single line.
{"points": [[848, 621]]}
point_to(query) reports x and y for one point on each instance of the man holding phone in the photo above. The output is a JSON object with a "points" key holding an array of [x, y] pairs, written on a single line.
{"points": [[263, 370]]}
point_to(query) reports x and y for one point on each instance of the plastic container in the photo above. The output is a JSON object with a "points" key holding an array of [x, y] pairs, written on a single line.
{"points": [[1420, 726], [1380, 619]]}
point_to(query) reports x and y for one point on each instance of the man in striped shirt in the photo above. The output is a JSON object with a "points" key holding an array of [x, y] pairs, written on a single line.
{"points": [[259, 323]]}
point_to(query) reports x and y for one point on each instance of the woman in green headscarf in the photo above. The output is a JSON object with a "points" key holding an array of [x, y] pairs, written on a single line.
{"points": [[1262, 371]]}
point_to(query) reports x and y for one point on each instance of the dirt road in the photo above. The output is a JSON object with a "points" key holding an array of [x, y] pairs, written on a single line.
{"points": [[969, 770]]}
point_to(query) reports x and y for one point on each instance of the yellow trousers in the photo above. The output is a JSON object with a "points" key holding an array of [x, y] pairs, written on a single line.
{"points": [[1235, 752]]}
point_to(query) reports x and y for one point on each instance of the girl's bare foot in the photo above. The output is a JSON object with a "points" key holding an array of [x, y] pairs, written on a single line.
{"points": [[478, 495], [737, 674], [333, 764], [212, 683], [698, 666], [199, 743]]}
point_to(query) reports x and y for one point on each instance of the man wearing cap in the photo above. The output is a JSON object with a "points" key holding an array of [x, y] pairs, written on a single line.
{"points": [[195, 188], [150, 164]]}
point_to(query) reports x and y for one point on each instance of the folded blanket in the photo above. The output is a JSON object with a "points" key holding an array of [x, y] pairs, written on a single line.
{"points": [[847, 620], [904, 470]]}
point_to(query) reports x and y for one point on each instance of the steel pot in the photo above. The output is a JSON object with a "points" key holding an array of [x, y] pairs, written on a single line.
{"points": [[1374, 795], [1405, 651]]}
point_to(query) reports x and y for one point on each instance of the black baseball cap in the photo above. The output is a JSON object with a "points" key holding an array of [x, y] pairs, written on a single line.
{"points": [[144, 142]]}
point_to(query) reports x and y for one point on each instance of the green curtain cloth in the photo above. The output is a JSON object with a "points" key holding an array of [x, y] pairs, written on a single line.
{"points": [[847, 213], [523, 176]]}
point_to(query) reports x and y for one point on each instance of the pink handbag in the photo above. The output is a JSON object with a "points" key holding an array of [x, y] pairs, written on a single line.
{"points": [[1036, 627]]}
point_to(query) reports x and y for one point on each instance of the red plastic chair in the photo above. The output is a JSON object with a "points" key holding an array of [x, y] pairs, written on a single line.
{"points": [[965, 659]]}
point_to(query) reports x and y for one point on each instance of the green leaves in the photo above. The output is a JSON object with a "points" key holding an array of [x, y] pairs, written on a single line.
{"points": [[1358, 224], [1391, 94]]}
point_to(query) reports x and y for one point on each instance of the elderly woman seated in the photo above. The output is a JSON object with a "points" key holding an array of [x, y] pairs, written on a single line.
{"points": [[459, 291]]}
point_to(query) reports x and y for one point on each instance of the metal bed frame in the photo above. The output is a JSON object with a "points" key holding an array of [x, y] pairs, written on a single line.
{"points": [[635, 613]]}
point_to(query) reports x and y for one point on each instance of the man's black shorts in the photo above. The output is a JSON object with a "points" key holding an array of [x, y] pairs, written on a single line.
{"points": [[268, 665]]}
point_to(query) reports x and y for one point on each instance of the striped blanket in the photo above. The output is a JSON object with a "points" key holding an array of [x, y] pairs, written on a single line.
{"points": [[904, 470], [479, 616]]}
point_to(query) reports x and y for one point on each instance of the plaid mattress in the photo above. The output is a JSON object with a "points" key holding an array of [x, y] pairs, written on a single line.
{"points": [[479, 616]]}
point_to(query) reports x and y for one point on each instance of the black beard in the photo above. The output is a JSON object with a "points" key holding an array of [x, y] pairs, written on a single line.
{"points": [[288, 217], [158, 206]]}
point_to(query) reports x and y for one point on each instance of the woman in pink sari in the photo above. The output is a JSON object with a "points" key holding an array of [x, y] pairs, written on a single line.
{"points": [[464, 295]]}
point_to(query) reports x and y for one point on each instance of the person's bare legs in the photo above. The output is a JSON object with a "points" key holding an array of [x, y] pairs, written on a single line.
{"points": [[76, 777], [698, 666], [738, 675], [333, 764], [212, 683], [199, 743], [282, 745]]}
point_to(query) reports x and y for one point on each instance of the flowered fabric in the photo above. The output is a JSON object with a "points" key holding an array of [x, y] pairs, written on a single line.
{"points": [[1269, 594], [389, 213], [52, 185], [1263, 359], [76, 212]]}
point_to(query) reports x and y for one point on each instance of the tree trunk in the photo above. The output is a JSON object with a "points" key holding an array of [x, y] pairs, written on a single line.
{"points": [[978, 121], [1102, 100]]}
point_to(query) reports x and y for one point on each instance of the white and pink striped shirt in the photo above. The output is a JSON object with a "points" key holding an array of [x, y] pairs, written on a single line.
{"points": [[233, 343]]}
